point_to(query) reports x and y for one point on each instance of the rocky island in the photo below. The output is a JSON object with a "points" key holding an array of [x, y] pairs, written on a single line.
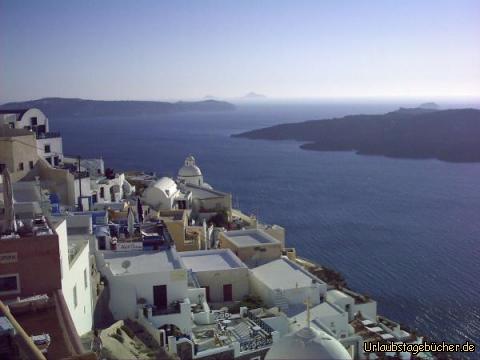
{"points": [[422, 132], [81, 107]]}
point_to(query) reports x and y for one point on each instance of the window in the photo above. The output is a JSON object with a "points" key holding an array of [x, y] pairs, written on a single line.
{"points": [[56, 160], [20, 166], [30, 165], [102, 192], [33, 121], [85, 279], [9, 284], [227, 292], [49, 160], [75, 300], [47, 148], [12, 125]]}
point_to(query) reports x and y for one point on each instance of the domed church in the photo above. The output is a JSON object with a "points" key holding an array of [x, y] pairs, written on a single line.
{"points": [[308, 344], [190, 173]]}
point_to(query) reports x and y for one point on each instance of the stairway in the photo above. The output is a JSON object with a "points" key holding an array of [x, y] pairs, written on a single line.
{"points": [[280, 300]]}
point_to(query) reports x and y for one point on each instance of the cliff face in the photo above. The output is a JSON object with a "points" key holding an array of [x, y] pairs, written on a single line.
{"points": [[81, 107], [450, 135]]}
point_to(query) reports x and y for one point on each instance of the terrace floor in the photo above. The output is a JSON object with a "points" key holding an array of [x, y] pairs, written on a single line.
{"points": [[236, 329]]}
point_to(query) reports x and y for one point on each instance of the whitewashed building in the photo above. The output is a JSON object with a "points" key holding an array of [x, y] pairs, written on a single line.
{"points": [[75, 274], [223, 275], [190, 173], [49, 144], [151, 282], [326, 317], [285, 284], [253, 246], [353, 303], [164, 194]]}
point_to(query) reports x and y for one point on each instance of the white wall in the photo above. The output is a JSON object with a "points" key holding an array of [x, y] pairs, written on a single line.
{"points": [[258, 288], [25, 120], [294, 296], [182, 320], [299, 295], [86, 190], [337, 324], [107, 184], [82, 313], [215, 280], [126, 289], [82, 221], [74, 276], [56, 148], [368, 310]]}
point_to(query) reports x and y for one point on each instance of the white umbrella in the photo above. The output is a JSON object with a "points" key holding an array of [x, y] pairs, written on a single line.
{"points": [[9, 225], [205, 234], [130, 222], [209, 235]]}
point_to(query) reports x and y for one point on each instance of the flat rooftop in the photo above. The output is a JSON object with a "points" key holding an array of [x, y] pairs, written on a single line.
{"points": [[317, 313], [204, 192], [250, 237], [281, 274], [211, 260], [141, 262]]}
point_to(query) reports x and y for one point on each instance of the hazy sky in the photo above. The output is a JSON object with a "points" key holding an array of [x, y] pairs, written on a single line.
{"points": [[187, 49]]}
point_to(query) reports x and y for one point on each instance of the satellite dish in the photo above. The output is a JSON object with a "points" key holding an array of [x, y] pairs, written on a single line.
{"points": [[126, 264]]}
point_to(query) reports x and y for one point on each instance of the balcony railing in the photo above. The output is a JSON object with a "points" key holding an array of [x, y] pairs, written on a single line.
{"points": [[259, 322], [81, 174], [173, 308], [48, 135]]}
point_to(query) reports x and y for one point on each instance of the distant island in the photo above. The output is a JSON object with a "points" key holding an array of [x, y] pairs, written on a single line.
{"points": [[253, 96], [82, 107], [420, 133]]}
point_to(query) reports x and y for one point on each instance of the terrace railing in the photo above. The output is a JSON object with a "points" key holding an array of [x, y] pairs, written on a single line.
{"points": [[256, 343], [259, 322]]}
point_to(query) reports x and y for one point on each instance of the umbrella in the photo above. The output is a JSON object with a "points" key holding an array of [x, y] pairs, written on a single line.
{"points": [[205, 234], [9, 225], [139, 210], [209, 235], [130, 221]]}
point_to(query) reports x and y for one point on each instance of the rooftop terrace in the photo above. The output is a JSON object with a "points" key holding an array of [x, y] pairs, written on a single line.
{"points": [[282, 274], [250, 237], [26, 228], [221, 259], [141, 262]]}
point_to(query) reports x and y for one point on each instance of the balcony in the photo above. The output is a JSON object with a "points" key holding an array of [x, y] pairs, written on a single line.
{"points": [[177, 313], [49, 135]]}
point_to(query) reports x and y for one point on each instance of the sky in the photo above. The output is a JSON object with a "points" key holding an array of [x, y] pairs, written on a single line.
{"points": [[154, 50]]}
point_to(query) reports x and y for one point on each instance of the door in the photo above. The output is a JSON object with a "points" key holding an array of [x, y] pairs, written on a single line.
{"points": [[207, 293], [227, 292], [102, 243], [160, 296]]}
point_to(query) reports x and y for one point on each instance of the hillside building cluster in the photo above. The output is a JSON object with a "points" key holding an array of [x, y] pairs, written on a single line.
{"points": [[85, 248]]}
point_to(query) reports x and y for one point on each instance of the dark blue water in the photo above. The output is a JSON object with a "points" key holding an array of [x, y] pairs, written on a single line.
{"points": [[406, 232]]}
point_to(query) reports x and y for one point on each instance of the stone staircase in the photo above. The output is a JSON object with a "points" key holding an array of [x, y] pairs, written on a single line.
{"points": [[280, 300]]}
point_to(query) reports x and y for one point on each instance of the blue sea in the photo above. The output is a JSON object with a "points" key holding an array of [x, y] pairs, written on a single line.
{"points": [[406, 232]]}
